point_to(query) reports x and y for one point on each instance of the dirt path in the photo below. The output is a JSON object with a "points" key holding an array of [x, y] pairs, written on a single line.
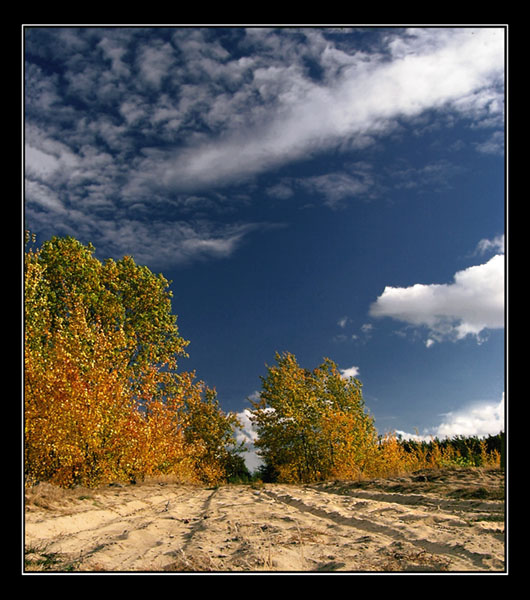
{"points": [[432, 521]]}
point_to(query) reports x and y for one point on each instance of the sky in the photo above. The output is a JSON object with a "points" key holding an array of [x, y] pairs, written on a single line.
{"points": [[327, 191]]}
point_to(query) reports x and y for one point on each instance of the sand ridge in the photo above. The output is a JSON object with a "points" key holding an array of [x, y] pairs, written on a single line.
{"points": [[440, 521]]}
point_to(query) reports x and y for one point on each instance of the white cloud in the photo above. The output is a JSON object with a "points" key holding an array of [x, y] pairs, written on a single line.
{"points": [[342, 322], [215, 245], [496, 245], [337, 186], [429, 69], [357, 180], [416, 437], [45, 156], [248, 435], [472, 303], [39, 194], [40, 164], [493, 145], [431, 176], [350, 372], [478, 419], [154, 63], [164, 242], [115, 52], [137, 117]]}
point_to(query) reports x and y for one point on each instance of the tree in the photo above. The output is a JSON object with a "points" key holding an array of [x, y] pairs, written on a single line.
{"points": [[103, 398], [81, 423], [116, 294], [209, 429], [311, 423]]}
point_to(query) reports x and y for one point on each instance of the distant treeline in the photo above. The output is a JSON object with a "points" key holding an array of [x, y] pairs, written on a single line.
{"points": [[467, 450]]}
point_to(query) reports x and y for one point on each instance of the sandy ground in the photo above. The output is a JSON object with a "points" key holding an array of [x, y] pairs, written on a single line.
{"points": [[428, 521]]}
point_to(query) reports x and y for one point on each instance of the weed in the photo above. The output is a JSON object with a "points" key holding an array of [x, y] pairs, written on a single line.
{"points": [[40, 559], [414, 561]]}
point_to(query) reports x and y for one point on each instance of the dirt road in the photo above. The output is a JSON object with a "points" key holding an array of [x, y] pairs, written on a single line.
{"points": [[429, 521]]}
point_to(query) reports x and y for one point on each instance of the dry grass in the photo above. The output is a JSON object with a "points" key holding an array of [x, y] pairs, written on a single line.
{"points": [[187, 563], [49, 496], [170, 479], [400, 560], [41, 559]]}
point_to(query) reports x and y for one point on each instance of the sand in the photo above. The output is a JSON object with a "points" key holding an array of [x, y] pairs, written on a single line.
{"points": [[430, 521]]}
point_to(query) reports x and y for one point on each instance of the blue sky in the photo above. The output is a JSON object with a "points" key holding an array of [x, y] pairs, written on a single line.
{"points": [[329, 191]]}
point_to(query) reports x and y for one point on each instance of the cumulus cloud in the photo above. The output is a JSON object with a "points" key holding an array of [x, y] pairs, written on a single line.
{"points": [[476, 419], [479, 419], [248, 435], [350, 372], [473, 302]]}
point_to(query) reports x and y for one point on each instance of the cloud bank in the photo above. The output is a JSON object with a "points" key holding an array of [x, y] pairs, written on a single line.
{"points": [[472, 303]]}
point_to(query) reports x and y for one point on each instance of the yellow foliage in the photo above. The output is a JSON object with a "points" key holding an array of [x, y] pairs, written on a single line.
{"points": [[312, 425], [98, 407]]}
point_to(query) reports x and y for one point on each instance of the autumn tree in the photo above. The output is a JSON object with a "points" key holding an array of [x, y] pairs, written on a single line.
{"points": [[311, 423], [116, 294], [103, 398], [81, 424], [210, 430]]}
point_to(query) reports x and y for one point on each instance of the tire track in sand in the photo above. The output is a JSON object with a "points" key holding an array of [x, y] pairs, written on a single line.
{"points": [[115, 536], [273, 527], [475, 559]]}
